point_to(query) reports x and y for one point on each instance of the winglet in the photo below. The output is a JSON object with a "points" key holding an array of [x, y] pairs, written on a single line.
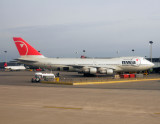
{"points": [[24, 48]]}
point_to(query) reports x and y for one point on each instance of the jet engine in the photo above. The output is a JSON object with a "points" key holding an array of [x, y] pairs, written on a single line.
{"points": [[102, 70], [90, 70], [85, 70], [110, 71], [93, 70], [105, 71]]}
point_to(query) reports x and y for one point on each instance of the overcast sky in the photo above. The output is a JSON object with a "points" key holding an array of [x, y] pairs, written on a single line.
{"points": [[60, 28]]}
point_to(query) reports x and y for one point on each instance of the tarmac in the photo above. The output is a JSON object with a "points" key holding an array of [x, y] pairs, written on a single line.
{"points": [[23, 102]]}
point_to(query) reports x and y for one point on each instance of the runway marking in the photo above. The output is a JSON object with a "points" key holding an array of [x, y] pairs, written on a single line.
{"points": [[122, 81], [105, 82], [61, 107]]}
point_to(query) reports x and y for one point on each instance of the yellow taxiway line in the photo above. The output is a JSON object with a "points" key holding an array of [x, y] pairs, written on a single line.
{"points": [[107, 82]]}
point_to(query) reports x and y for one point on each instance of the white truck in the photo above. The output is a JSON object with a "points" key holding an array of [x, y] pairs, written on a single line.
{"points": [[43, 76]]}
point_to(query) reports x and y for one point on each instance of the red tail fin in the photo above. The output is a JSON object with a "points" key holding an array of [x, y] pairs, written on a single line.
{"points": [[24, 48], [5, 64]]}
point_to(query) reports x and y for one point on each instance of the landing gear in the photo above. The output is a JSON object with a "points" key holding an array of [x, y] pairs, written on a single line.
{"points": [[88, 75]]}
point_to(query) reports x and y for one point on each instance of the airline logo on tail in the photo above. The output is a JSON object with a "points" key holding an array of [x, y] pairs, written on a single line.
{"points": [[24, 48], [21, 45], [5, 64]]}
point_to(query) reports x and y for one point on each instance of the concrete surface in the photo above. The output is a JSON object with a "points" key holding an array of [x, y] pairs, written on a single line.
{"points": [[39, 105], [22, 102]]}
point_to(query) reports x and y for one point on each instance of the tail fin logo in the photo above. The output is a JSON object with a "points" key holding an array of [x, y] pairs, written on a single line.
{"points": [[5, 64], [22, 47]]}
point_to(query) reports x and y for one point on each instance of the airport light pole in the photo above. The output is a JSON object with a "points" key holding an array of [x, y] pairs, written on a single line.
{"points": [[76, 54], [133, 51], [5, 56], [117, 53], [151, 42], [84, 52]]}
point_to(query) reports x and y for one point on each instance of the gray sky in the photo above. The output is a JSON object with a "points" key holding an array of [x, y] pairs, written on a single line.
{"points": [[59, 28]]}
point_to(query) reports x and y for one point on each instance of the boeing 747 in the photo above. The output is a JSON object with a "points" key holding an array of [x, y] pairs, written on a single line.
{"points": [[31, 56]]}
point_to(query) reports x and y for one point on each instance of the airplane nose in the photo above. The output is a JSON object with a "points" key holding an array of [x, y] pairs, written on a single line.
{"points": [[152, 64]]}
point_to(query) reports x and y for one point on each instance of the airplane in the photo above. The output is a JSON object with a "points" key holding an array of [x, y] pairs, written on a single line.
{"points": [[87, 66], [14, 68]]}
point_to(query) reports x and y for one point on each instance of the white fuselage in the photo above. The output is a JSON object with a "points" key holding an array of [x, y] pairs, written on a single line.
{"points": [[31, 56], [91, 65]]}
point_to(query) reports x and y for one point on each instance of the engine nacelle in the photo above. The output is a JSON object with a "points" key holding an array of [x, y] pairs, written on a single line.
{"points": [[93, 70], [102, 70], [90, 70], [110, 71], [85, 70], [105, 71]]}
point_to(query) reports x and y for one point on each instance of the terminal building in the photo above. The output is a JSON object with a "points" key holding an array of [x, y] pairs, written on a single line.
{"points": [[156, 62]]}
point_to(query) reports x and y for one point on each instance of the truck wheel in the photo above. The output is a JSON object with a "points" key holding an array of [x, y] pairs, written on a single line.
{"points": [[37, 80], [32, 80]]}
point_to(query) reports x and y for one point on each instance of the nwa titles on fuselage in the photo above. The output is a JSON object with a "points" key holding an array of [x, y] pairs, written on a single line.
{"points": [[31, 56]]}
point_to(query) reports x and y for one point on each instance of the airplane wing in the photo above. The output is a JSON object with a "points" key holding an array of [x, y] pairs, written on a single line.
{"points": [[82, 66]]}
